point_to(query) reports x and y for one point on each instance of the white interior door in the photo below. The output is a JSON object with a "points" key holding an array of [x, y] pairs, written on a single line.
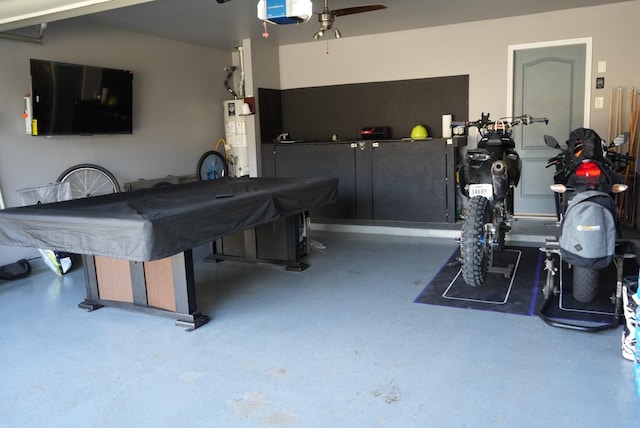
{"points": [[549, 80]]}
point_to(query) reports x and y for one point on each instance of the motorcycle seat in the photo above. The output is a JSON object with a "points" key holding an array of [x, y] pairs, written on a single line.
{"points": [[497, 140]]}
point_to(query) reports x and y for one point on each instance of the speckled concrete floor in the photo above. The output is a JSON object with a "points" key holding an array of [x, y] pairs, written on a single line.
{"points": [[339, 345]]}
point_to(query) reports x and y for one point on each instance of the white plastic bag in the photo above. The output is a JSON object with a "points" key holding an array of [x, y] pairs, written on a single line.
{"points": [[58, 262]]}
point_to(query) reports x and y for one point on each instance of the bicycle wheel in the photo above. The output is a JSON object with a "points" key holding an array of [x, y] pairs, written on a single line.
{"points": [[212, 165], [88, 180]]}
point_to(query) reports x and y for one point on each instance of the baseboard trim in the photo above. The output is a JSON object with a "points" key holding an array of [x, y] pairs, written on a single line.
{"points": [[387, 230]]}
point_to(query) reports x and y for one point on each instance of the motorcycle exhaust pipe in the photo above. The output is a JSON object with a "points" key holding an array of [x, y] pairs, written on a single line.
{"points": [[500, 180]]}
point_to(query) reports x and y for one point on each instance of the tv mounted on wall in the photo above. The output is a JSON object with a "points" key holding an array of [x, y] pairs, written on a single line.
{"points": [[72, 99]]}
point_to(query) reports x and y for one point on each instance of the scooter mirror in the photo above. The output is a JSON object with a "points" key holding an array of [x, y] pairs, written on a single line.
{"points": [[551, 142], [621, 139]]}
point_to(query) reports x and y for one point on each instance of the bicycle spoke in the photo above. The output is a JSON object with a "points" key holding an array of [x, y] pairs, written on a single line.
{"points": [[87, 181]]}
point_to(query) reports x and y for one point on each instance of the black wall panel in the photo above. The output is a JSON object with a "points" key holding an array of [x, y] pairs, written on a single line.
{"points": [[270, 103], [314, 114]]}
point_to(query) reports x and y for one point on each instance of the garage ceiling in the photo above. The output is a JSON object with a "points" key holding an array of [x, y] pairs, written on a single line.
{"points": [[223, 26]]}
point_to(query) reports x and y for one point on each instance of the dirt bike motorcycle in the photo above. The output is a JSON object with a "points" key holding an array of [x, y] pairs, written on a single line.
{"points": [[586, 181], [488, 176]]}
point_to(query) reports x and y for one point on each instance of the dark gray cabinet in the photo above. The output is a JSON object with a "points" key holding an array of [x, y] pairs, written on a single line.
{"points": [[380, 181], [409, 181], [320, 160]]}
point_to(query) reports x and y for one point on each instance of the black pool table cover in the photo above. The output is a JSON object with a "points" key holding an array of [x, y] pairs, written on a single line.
{"points": [[151, 224]]}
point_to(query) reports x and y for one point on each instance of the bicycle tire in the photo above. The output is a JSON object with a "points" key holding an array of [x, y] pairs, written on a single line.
{"points": [[88, 180], [212, 165]]}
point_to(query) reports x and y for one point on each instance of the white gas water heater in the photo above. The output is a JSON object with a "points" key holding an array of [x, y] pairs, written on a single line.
{"points": [[236, 136], [239, 124]]}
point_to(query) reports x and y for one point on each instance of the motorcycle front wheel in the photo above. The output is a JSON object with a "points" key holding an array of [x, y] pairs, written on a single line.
{"points": [[475, 246], [585, 284]]}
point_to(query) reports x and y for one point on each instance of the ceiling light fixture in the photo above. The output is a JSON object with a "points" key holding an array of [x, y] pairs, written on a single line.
{"points": [[327, 17], [318, 35]]}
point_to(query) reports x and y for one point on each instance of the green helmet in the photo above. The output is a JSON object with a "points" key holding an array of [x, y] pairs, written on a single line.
{"points": [[419, 132], [113, 101]]}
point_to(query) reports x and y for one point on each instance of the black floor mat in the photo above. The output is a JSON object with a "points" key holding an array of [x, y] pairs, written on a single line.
{"points": [[601, 309], [510, 295], [522, 292]]}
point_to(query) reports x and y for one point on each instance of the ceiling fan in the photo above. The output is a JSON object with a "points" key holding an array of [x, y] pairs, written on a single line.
{"points": [[327, 17]]}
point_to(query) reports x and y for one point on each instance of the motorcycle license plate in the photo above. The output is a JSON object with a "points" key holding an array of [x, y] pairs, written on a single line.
{"points": [[485, 190]]}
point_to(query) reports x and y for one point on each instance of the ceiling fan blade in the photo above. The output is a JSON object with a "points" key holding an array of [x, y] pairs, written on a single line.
{"points": [[357, 9]]}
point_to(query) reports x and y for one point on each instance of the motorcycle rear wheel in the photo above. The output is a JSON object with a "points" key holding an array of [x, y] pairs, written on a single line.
{"points": [[475, 246], [585, 284]]}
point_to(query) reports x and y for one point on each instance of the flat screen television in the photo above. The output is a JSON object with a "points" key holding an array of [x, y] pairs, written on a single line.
{"points": [[72, 99]]}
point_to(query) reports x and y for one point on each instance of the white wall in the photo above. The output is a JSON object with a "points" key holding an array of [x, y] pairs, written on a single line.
{"points": [[178, 93], [478, 49], [265, 73]]}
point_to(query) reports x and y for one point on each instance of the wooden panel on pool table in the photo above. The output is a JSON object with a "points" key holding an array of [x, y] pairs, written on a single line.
{"points": [[114, 279], [160, 287]]}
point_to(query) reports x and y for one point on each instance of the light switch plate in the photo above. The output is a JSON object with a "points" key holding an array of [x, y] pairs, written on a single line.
{"points": [[599, 102]]}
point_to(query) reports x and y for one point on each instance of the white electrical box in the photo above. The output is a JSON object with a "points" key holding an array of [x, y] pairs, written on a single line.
{"points": [[28, 114]]}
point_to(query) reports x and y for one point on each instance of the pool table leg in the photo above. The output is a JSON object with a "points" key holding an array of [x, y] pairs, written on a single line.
{"points": [[164, 287]]}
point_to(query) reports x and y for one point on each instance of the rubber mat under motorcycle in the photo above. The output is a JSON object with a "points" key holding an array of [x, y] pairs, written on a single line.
{"points": [[601, 309], [514, 295], [522, 294]]}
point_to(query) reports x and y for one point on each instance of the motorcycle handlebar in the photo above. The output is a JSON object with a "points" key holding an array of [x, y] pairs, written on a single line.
{"points": [[555, 160], [527, 119], [614, 155], [508, 122], [539, 120]]}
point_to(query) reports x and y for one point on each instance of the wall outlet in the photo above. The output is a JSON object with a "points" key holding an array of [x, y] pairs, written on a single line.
{"points": [[599, 102]]}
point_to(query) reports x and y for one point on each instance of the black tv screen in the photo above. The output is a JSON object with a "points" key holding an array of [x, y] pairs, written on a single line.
{"points": [[71, 99]]}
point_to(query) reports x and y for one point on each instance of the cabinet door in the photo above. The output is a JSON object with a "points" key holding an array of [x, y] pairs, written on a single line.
{"points": [[322, 160], [409, 181]]}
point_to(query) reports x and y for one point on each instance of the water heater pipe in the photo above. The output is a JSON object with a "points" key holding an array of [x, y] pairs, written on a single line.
{"points": [[229, 71], [241, 84]]}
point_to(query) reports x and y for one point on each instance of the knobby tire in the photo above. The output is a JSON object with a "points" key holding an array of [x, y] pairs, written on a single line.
{"points": [[473, 246]]}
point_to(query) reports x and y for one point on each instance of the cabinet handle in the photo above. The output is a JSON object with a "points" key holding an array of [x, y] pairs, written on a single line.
{"points": [[375, 144], [354, 145]]}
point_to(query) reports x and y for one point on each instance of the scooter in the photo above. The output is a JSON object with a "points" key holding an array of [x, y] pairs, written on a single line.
{"points": [[487, 177], [586, 181]]}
